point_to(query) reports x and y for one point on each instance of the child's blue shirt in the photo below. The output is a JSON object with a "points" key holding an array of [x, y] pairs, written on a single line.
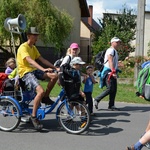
{"points": [[88, 87]]}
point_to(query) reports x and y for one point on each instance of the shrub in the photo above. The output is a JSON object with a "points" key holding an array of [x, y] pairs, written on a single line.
{"points": [[127, 66]]}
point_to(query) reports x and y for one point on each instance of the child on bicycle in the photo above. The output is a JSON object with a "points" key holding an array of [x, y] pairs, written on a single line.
{"points": [[11, 71], [10, 65], [76, 63], [70, 79]]}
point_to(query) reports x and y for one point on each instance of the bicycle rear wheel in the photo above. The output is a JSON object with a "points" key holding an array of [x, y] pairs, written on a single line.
{"points": [[76, 119], [9, 115]]}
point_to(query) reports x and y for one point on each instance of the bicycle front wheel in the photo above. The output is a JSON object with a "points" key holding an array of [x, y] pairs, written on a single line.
{"points": [[74, 119], [9, 115]]}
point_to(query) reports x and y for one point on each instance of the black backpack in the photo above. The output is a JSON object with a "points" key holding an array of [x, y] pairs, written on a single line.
{"points": [[58, 62], [99, 60]]}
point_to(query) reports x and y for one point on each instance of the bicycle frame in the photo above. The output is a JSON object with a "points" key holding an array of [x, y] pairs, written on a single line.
{"points": [[42, 110]]}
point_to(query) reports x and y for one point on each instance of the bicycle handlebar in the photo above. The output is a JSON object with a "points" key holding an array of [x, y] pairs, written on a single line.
{"points": [[52, 71]]}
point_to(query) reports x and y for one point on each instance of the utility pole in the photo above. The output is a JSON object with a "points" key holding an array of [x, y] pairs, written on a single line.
{"points": [[139, 50]]}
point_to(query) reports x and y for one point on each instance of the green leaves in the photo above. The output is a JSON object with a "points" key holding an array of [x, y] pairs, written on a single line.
{"points": [[121, 25], [54, 25]]}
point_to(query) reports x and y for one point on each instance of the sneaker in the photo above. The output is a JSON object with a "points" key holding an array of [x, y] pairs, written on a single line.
{"points": [[113, 108], [92, 114], [147, 145], [47, 101], [96, 104], [25, 120], [130, 148], [36, 123]]}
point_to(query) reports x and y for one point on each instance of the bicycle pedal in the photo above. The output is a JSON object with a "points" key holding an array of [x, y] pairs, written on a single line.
{"points": [[83, 124]]}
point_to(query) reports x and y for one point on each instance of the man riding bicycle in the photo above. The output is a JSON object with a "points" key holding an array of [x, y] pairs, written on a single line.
{"points": [[30, 72]]}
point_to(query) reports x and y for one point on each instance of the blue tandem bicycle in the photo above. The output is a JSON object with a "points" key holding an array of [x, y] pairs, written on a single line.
{"points": [[72, 115]]}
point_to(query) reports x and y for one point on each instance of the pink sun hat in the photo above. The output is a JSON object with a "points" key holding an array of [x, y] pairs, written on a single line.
{"points": [[74, 45]]}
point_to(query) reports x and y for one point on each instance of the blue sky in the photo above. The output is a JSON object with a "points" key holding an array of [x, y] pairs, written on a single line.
{"points": [[112, 6]]}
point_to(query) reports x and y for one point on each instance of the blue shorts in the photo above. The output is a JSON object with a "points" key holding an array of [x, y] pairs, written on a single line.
{"points": [[31, 79]]}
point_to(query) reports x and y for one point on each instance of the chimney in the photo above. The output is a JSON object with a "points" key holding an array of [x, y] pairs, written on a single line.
{"points": [[91, 15]]}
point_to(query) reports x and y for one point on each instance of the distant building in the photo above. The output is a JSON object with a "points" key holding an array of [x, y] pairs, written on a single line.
{"points": [[88, 27]]}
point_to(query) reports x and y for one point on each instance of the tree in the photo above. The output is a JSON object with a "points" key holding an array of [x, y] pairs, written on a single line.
{"points": [[54, 25], [121, 25]]}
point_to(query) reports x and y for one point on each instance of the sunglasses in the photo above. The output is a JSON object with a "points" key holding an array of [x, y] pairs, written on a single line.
{"points": [[77, 64], [75, 49]]}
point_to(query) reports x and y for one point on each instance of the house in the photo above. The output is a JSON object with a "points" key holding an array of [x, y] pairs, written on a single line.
{"points": [[88, 27], [76, 9]]}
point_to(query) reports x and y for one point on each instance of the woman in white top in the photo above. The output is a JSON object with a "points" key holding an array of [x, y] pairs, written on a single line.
{"points": [[72, 52]]}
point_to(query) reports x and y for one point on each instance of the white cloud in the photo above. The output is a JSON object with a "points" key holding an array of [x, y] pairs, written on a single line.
{"points": [[98, 9], [113, 6], [148, 5]]}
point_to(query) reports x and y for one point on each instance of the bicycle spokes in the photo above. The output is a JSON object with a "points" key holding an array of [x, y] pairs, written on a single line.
{"points": [[9, 115], [75, 119]]}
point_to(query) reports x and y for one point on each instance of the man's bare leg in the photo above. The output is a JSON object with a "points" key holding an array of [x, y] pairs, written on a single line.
{"points": [[50, 86], [36, 103], [37, 99], [148, 127], [53, 77]]}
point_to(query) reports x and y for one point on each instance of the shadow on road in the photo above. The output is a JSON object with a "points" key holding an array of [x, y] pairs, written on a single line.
{"points": [[101, 124]]}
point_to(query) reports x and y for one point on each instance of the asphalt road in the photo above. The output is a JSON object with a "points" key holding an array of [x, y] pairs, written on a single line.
{"points": [[109, 130]]}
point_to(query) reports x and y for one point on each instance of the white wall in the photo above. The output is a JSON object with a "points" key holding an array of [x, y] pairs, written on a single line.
{"points": [[72, 7], [146, 32]]}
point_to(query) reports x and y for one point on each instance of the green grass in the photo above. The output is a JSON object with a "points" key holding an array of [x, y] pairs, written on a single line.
{"points": [[125, 93]]}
